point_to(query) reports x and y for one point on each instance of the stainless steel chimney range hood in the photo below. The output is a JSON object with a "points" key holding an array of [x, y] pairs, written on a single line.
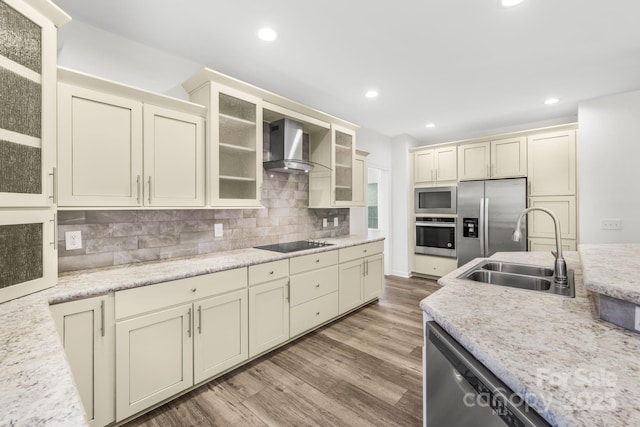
{"points": [[285, 148]]}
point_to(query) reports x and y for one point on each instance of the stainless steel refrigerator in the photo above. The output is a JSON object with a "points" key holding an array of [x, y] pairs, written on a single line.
{"points": [[487, 215]]}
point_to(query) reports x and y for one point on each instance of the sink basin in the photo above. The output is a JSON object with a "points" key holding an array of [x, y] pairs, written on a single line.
{"points": [[515, 281], [507, 267], [520, 276]]}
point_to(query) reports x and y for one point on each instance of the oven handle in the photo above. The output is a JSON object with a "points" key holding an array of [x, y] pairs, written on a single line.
{"points": [[429, 224]]}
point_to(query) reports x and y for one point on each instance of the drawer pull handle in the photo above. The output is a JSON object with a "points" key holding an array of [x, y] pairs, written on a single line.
{"points": [[194, 289]]}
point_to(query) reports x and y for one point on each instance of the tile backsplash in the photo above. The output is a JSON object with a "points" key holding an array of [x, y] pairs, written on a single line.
{"points": [[113, 237]]}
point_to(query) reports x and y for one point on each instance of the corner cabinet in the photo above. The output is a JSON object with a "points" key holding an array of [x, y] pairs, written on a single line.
{"points": [[123, 147], [28, 255], [86, 328], [234, 145]]}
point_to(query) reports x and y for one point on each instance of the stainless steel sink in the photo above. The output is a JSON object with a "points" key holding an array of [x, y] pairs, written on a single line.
{"points": [[520, 276], [507, 267]]}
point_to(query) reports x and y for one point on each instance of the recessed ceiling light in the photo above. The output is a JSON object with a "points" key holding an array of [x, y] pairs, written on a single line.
{"points": [[431, 125], [509, 3], [371, 94], [551, 101], [267, 34]]}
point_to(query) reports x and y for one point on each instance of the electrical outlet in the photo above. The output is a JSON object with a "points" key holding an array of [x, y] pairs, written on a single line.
{"points": [[217, 230], [611, 224], [636, 324], [335, 221], [73, 240], [324, 222]]}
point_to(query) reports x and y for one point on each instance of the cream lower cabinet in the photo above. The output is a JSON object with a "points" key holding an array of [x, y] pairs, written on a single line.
{"points": [[358, 281], [172, 335], [268, 306], [314, 290], [88, 336], [433, 265]]}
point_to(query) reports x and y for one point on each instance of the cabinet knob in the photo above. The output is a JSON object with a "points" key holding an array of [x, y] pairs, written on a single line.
{"points": [[271, 272], [194, 289], [317, 261], [365, 251], [318, 285], [317, 313]]}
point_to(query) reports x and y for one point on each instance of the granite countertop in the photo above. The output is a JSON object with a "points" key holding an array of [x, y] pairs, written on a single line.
{"points": [[36, 385], [612, 270], [575, 369]]}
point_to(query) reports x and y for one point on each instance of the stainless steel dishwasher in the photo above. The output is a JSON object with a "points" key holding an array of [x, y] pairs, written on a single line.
{"points": [[462, 392]]}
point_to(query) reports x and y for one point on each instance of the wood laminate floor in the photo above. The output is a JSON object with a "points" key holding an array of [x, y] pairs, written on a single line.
{"points": [[362, 370]]}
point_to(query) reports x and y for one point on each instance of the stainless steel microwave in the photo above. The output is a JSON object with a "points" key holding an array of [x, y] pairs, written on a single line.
{"points": [[440, 200]]}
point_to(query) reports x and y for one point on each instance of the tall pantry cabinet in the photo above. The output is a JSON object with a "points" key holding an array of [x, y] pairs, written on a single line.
{"points": [[28, 255]]}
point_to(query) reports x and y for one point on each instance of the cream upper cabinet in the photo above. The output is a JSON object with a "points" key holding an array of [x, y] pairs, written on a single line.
{"points": [[86, 328], [360, 179], [28, 254], [344, 150], [552, 164], [504, 158], [173, 158], [541, 225], [234, 145], [99, 148], [122, 147], [435, 166]]}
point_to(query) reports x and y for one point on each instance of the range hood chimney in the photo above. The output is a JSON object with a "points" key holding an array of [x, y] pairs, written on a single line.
{"points": [[285, 148]]}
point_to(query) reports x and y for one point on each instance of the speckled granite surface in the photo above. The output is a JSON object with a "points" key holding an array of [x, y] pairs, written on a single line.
{"points": [[612, 270], [36, 385], [574, 369]]}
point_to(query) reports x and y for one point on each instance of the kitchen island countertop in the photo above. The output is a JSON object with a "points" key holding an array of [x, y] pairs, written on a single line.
{"points": [[36, 385], [576, 369]]}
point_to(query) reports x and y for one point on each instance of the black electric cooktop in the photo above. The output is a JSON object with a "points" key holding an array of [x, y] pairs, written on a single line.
{"points": [[299, 245]]}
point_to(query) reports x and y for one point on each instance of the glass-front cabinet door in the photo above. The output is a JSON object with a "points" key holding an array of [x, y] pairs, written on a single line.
{"points": [[28, 261], [236, 161], [344, 144]]}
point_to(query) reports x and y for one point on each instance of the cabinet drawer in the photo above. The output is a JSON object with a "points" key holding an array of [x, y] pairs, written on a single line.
{"points": [[148, 298], [268, 271], [360, 251], [312, 262], [313, 313], [313, 284]]}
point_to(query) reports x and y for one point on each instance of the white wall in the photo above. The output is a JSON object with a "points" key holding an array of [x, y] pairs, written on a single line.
{"points": [[400, 230], [608, 167], [379, 148], [94, 51]]}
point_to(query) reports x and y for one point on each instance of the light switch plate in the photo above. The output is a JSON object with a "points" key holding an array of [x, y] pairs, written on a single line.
{"points": [[73, 240], [637, 321], [335, 221], [217, 230], [324, 222]]}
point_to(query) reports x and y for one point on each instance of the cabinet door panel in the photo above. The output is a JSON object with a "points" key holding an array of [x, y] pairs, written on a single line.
{"points": [[446, 169], [313, 284], [99, 148], [154, 359], [221, 334], [552, 164], [373, 277], [268, 316], [313, 313], [541, 224], [423, 166], [174, 158], [473, 161], [343, 171], [509, 158], [350, 285]]}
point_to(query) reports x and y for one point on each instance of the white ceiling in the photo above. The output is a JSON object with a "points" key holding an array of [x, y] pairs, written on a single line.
{"points": [[468, 66]]}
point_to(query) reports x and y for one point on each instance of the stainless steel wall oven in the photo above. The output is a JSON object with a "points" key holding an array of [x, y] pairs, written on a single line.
{"points": [[436, 236]]}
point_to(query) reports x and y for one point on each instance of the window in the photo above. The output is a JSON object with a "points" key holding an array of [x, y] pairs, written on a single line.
{"points": [[372, 203]]}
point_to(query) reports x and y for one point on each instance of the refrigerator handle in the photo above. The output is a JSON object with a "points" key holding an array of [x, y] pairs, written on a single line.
{"points": [[481, 226], [485, 224]]}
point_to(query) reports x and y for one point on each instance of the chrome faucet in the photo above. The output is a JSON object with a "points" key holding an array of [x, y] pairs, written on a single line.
{"points": [[560, 266]]}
